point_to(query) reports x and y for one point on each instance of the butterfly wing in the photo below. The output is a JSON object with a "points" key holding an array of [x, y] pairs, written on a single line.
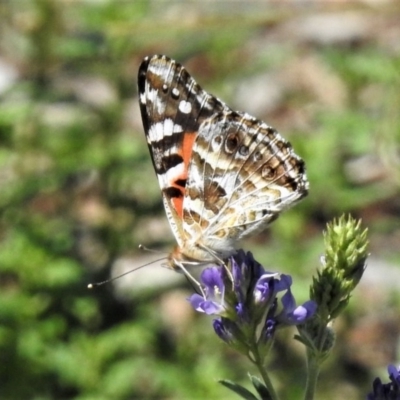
{"points": [[241, 176], [223, 175], [173, 106]]}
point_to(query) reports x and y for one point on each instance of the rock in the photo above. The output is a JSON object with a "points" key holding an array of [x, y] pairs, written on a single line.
{"points": [[332, 28], [8, 75]]}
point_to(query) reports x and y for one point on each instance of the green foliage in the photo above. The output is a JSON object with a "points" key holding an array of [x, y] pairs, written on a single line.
{"points": [[77, 188]]}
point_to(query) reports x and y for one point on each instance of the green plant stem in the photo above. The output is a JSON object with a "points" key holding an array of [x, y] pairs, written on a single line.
{"points": [[260, 365], [314, 359], [313, 369]]}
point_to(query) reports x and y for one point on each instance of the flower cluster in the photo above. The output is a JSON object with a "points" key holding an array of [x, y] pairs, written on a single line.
{"points": [[387, 391], [343, 265], [248, 308], [251, 304]]}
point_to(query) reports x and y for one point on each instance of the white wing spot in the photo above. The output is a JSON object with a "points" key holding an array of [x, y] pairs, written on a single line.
{"points": [[161, 129], [185, 107], [151, 94], [177, 128], [173, 173], [175, 92], [153, 97]]}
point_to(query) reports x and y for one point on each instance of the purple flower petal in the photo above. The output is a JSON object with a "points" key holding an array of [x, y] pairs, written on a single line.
{"points": [[284, 283], [196, 300], [311, 307], [394, 375], [212, 280], [236, 272], [242, 312], [206, 306], [386, 391], [288, 301], [211, 307], [265, 288], [292, 315], [213, 300], [300, 314], [222, 330]]}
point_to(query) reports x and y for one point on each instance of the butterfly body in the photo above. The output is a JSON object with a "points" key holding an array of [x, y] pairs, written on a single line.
{"points": [[224, 175]]}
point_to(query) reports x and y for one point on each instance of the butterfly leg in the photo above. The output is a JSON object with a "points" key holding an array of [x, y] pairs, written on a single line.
{"points": [[192, 279], [228, 271]]}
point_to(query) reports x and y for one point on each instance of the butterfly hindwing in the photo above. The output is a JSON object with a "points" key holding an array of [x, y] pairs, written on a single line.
{"points": [[241, 176]]}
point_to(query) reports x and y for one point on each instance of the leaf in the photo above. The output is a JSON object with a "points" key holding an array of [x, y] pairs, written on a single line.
{"points": [[261, 388], [240, 390]]}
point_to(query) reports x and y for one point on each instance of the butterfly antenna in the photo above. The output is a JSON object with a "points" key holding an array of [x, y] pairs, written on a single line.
{"points": [[97, 284], [144, 248]]}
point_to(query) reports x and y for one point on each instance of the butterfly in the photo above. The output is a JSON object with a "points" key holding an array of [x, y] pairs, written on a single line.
{"points": [[224, 175]]}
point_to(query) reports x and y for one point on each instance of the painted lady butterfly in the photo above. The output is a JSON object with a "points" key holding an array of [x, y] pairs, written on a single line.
{"points": [[223, 174]]}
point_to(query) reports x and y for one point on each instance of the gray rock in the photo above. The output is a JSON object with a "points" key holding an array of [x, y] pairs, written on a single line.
{"points": [[8, 75]]}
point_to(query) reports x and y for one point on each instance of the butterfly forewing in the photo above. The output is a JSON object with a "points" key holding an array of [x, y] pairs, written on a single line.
{"points": [[172, 106]]}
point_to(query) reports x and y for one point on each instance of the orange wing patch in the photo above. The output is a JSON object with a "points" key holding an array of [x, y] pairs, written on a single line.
{"points": [[179, 182]]}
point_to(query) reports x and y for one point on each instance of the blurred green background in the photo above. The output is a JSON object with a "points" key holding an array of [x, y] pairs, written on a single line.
{"points": [[78, 193]]}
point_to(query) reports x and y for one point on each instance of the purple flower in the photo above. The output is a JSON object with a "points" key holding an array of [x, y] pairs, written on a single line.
{"points": [[265, 288], [214, 289], [241, 311], [292, 315], [270, 323], [223, 328], [249, 301], [388, 391]]}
